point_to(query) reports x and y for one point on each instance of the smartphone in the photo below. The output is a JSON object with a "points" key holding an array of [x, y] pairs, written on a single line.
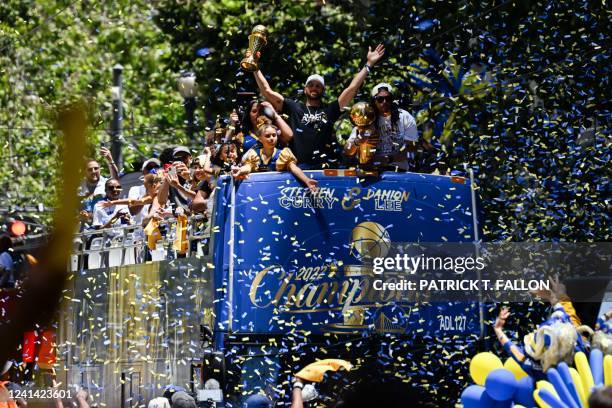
{"points": [[172, 171]]}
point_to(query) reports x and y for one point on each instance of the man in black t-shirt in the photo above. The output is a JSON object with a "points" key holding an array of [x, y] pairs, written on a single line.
{"points": [[313, 122]]}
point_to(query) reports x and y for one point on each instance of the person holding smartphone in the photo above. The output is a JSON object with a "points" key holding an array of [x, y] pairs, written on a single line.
{"points": [[107, 216], [175, 189]]}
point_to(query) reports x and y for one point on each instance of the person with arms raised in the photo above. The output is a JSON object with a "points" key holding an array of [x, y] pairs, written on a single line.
{"points": [[313, 121]]}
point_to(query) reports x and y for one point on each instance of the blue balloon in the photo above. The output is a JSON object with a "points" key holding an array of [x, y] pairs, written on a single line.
{"points": [[500, 384], [551, 400], [475, 396], [562, 391], [596, 363], [524, 392], [566, 376]]}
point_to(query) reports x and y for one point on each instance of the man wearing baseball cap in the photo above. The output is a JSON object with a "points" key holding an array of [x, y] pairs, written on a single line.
{"points": [[397, 132], [313, 121]]}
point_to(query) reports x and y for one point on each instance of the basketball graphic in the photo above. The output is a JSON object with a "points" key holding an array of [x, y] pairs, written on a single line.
{"points": [[369, 240]]}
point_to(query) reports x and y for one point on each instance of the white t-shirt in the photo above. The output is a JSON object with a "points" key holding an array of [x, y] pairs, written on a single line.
{"points": [[392, 140], [102, 215], [135, 193], [98, 190]]}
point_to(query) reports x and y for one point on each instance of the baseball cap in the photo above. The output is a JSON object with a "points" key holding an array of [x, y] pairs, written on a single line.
{"points": [[257, 401], [151, 161], [315, 77], [379, 87], [180, 149], [181, 399], [170, 389], [201, 160]]}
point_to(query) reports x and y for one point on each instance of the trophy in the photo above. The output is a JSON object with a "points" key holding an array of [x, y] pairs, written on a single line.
{"points": [[363, 116], [257, 40]]}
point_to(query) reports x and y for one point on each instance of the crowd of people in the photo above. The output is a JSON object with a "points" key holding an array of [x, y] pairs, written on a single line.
{"points": [[285, 135], [272, 134]]}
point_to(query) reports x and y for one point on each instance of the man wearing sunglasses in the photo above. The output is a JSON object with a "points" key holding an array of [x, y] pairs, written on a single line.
{"points": [[108, 216], [397, 132]]}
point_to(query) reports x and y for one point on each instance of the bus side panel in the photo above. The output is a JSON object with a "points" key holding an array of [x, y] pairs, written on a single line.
{"points": [[220, 234], [299, 258]]}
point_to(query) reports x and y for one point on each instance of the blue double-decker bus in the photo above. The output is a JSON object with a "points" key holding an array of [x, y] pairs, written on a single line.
{"points": [[290, 263]]}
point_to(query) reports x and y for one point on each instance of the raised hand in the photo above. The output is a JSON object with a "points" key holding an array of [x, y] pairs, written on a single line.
{"points": [[248, 53], [558, 288], [104, 152], [375, 56], [504, 313], [234, 119], [182, 170], [172, 180], [556, 292], [85, 216], [268, 104]]}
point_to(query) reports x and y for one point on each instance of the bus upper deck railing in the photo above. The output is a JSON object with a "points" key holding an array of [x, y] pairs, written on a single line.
{"points": [[128, 245]]}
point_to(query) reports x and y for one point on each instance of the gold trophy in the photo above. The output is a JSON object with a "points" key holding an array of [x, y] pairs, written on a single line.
{"points": [[363, 116], [257, 40]]}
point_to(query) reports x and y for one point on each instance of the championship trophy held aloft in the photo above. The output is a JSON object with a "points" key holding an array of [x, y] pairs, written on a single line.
{"points": [[257, 40]]}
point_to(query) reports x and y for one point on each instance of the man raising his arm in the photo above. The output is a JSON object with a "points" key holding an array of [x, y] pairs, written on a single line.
{"points": [[312, 122]]}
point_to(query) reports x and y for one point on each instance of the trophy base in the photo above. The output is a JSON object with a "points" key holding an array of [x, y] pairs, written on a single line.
{"points": [[249, 66], [358, 270]]}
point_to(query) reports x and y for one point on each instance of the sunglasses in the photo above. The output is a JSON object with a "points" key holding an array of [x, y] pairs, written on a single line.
{"points": [[381, 99], [116, 188]]}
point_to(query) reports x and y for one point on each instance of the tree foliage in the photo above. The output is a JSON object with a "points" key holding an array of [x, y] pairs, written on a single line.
{"points": [[508, 88], [53, 53]]}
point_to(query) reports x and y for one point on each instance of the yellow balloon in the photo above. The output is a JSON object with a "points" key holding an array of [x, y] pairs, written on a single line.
{"points": [[545, 385], [482, 364], [315, 371], [512, 366], [608, 370], [579, 386], [538, 399], [584, 369]]}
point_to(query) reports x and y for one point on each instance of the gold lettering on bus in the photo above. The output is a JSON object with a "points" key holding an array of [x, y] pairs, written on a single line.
{"points": [[311, 296], [384, 199]]}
